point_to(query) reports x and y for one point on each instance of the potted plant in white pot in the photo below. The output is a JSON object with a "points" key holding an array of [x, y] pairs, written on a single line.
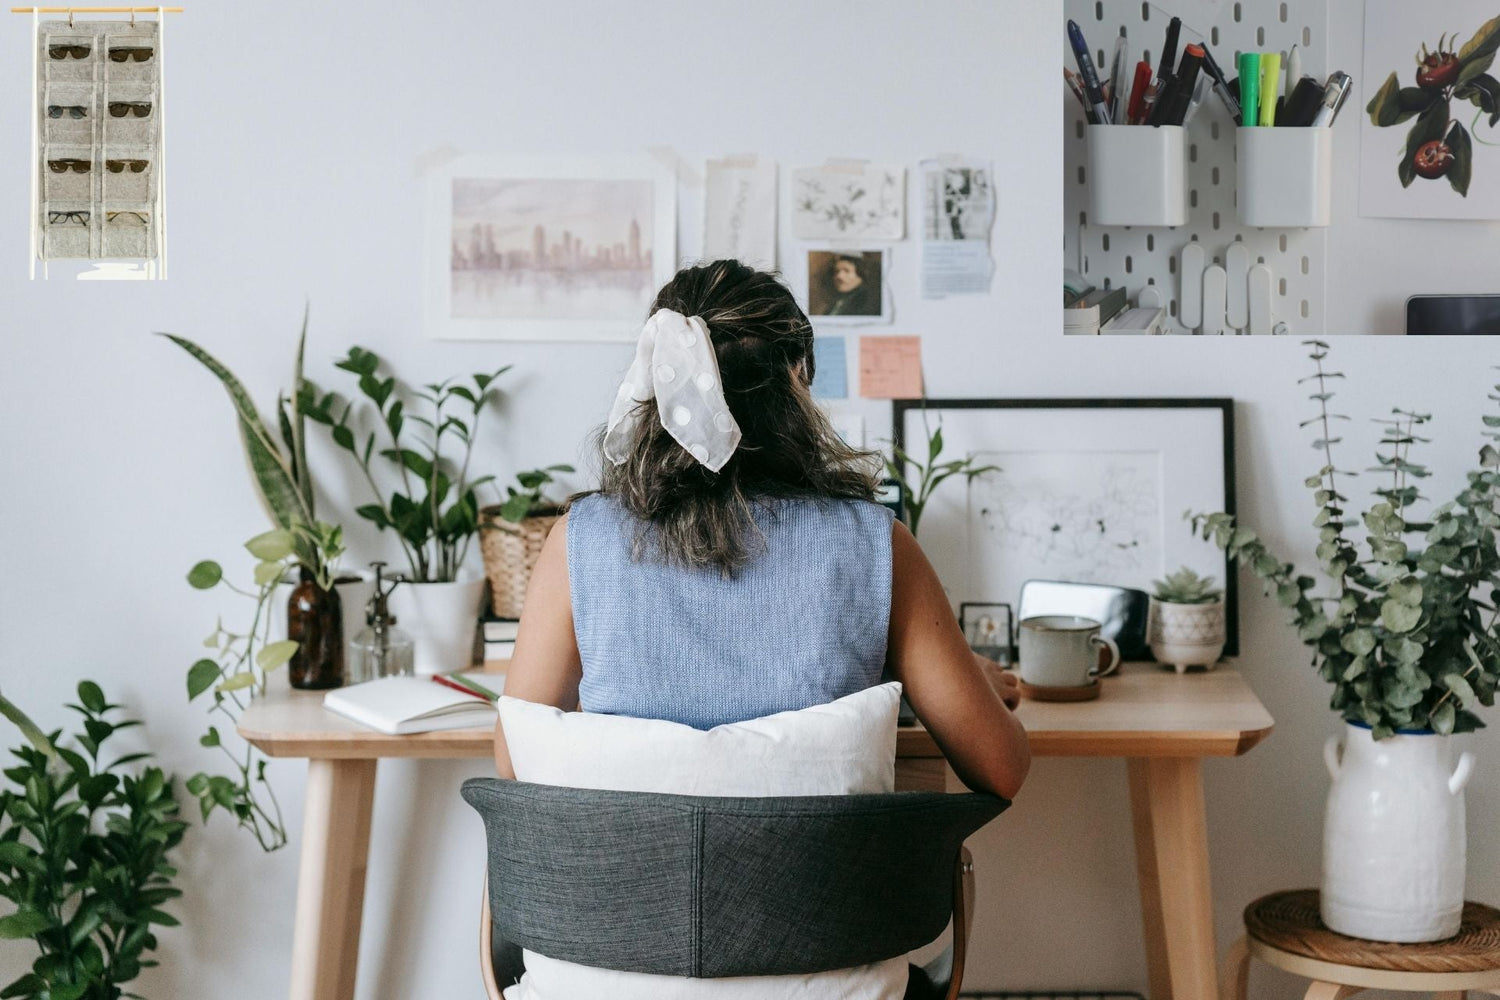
{"points": [[513, 532], [434, 508], [1407, 637], [1185, 623]]}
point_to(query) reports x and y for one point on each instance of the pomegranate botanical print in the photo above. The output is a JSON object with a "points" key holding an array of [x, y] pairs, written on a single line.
{"points": [[1449, 82]]}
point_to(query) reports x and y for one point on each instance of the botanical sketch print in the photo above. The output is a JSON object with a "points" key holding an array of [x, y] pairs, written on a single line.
{"points": [[551, 248], [863, 202], [1086, 516]]}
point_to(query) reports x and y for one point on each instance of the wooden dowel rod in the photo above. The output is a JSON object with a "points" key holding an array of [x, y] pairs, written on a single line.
{"points": [[96, 10]]}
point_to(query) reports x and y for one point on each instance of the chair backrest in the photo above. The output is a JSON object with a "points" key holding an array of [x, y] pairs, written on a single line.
{"points": [[711, 887]]}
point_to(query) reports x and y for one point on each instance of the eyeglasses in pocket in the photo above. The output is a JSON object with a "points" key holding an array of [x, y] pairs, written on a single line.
{"points": [[71, 110]]}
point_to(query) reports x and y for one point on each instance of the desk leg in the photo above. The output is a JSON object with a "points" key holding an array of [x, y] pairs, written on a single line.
{"points": [[331, 880], [1171, 850]]}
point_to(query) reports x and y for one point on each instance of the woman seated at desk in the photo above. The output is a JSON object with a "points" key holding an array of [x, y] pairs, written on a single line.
{"points": [[733, 562]]}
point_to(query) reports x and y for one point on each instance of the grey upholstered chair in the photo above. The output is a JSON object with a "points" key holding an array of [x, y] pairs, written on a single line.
{"points": [[707, 887]]}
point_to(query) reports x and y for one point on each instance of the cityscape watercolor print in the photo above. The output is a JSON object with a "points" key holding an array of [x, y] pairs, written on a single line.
{"points": [[1431, 133], [838, 202], [551, 249]]}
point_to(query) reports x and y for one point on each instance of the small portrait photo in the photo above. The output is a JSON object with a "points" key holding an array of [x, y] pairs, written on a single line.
{"points": [[846, 285]]}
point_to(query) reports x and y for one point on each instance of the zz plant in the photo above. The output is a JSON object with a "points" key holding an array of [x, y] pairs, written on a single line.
{"points": [[85, 856], [1407, 633], [927, 476], [434, 512]]}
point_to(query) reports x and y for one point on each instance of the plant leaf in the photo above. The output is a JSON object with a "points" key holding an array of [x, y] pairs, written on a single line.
{"points": [[1484, 44], [1461, 173], [275, 654], [271, 546], [201, 677], [205, 575], [23, 924]]}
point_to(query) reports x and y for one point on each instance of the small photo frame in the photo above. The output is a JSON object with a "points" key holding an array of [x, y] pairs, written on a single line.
{"points": [[847, 287], [988, 629]]}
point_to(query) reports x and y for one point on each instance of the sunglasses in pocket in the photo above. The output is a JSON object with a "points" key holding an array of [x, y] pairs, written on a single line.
{"points": [[120, 166], [71, 110], [63, 166], [125, 53], [122, 109], [69, 51]]}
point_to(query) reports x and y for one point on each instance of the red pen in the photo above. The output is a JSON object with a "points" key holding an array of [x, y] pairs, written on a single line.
{"points": [[445, 682], [1136, 113]]}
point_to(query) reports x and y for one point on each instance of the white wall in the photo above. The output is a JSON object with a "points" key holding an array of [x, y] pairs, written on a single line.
{"points": [[294, 133]]}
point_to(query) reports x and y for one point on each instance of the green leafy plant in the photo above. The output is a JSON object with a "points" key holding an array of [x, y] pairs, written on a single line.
{"points": [[1439, 145], [239, 665], [927, 476], [1407, 636], [435, 511], [85, 856], [531, 497], [1186, 587], [279, 470]]}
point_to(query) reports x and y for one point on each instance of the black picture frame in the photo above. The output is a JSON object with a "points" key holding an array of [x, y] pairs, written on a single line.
{"points": [[1223, 405]]}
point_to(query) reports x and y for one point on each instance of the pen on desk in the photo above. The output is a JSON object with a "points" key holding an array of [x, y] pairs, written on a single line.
{"points": [[1293, 70], [1136, 112], [1071, 79], [1270, 87], [1117, 81], [1221, 84], [1334, 96], [1168, 62], [1250, 88], [1089, 75], [455, 685]]}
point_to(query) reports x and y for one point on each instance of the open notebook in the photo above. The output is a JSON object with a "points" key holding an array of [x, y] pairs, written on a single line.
{"points": [[401, 705]]}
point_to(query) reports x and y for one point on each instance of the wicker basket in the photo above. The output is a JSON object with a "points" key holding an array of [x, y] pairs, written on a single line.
{"points": [[510, 553]]}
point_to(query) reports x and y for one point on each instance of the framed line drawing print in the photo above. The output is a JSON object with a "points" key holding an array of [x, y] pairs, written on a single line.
{"points": [[560, 249], [1089, 491]]}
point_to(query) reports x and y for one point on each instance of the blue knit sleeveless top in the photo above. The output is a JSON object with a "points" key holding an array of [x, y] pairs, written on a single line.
{"points": [[802, 623]]}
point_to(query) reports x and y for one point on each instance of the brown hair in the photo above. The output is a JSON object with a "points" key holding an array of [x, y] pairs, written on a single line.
{"points": [[764, 344]]}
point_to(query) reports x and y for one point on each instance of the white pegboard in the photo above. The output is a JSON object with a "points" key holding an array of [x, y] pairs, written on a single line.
{"points": [[1134, 257]]}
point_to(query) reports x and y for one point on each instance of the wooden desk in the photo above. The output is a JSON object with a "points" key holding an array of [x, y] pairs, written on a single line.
{"points": [[1163, 725]]}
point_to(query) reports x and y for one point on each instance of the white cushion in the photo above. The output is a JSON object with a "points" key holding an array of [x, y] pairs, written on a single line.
{"points": [[845, 747]]}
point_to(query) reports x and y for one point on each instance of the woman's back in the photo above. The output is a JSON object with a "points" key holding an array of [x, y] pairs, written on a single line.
{"points": [[801, 623]]}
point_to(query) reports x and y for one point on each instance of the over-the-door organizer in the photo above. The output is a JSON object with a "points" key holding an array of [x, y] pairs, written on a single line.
{"points": [[1236, 186], [99, 88]]}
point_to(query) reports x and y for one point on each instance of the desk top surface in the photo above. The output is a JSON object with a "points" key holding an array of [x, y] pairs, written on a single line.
{"points": [[1143, 711]]}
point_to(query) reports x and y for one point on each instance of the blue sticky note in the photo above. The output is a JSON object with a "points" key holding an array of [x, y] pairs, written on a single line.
{"points": [[830, 369]]}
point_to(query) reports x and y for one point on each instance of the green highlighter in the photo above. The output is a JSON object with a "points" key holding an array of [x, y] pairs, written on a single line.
{"points": [[1270, 86], [1250, 88]]}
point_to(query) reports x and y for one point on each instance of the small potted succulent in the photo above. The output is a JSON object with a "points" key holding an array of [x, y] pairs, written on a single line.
{"points": [[1185, 626]]}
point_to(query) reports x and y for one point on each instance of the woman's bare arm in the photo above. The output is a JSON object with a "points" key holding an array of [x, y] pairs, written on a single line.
{"points": [[985, 744], [545, 667]]}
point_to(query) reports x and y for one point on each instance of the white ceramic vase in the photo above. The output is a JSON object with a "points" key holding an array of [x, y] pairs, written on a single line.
{"points": [[1185, 635], [1393, 836], [441, 618]]}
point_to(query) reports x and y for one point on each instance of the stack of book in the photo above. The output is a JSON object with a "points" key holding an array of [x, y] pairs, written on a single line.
{"points": [[499, 637], [1086, 312]]}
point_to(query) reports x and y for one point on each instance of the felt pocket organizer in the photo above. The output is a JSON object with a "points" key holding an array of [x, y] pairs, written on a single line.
{"points": [[129, 57], [69, 56], [68, 114], [128, 232], [128, 113], [67, 229], [68, 173]]}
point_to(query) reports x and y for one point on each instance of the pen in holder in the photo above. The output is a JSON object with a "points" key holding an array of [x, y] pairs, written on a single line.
{"points": [[1285, 177], [1137, 175]]}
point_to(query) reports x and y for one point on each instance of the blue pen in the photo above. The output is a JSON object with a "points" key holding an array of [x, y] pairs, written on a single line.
{"points": [[1092, 89]]}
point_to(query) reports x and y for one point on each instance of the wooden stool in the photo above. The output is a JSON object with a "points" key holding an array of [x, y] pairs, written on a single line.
{"points": [[1284, 930]]}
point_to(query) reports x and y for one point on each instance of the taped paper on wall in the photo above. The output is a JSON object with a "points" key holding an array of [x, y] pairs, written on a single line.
{"points": [[849, 201], [890, 367], [830, 368], [958, 212], [739, 210]]}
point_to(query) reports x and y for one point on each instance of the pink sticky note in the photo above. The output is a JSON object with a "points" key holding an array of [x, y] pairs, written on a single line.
{"points": [[890, 367]]}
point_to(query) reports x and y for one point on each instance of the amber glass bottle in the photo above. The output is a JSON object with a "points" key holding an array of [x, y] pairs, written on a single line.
{"points": [[315, 621]]}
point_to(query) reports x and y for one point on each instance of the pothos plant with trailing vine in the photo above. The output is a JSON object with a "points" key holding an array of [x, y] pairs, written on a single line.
{"points": [[1407, 636], [1439, 145], [239, 664]]}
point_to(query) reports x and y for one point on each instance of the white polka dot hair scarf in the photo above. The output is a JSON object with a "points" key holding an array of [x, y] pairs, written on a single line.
{"points": [[675, 365]]}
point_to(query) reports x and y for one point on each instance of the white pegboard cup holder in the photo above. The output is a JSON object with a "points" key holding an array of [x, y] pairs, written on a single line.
{"points": [[1137, 175], [1285, 177]]}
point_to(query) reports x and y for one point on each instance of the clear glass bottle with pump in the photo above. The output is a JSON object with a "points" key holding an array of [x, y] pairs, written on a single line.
{"points": [[380, 649]]}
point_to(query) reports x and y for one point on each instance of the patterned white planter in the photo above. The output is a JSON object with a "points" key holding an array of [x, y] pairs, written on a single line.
{"points": [[1186, 635], [1393, 837]]}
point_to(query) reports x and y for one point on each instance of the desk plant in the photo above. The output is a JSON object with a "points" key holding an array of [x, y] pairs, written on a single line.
{"points": [[1185, 623], [433, 509], [929, 475], [1407, 637], [514, 531], [85, 856]]}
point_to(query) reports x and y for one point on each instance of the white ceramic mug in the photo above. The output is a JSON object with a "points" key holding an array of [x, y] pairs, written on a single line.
{"points": [[1063, 651]]}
